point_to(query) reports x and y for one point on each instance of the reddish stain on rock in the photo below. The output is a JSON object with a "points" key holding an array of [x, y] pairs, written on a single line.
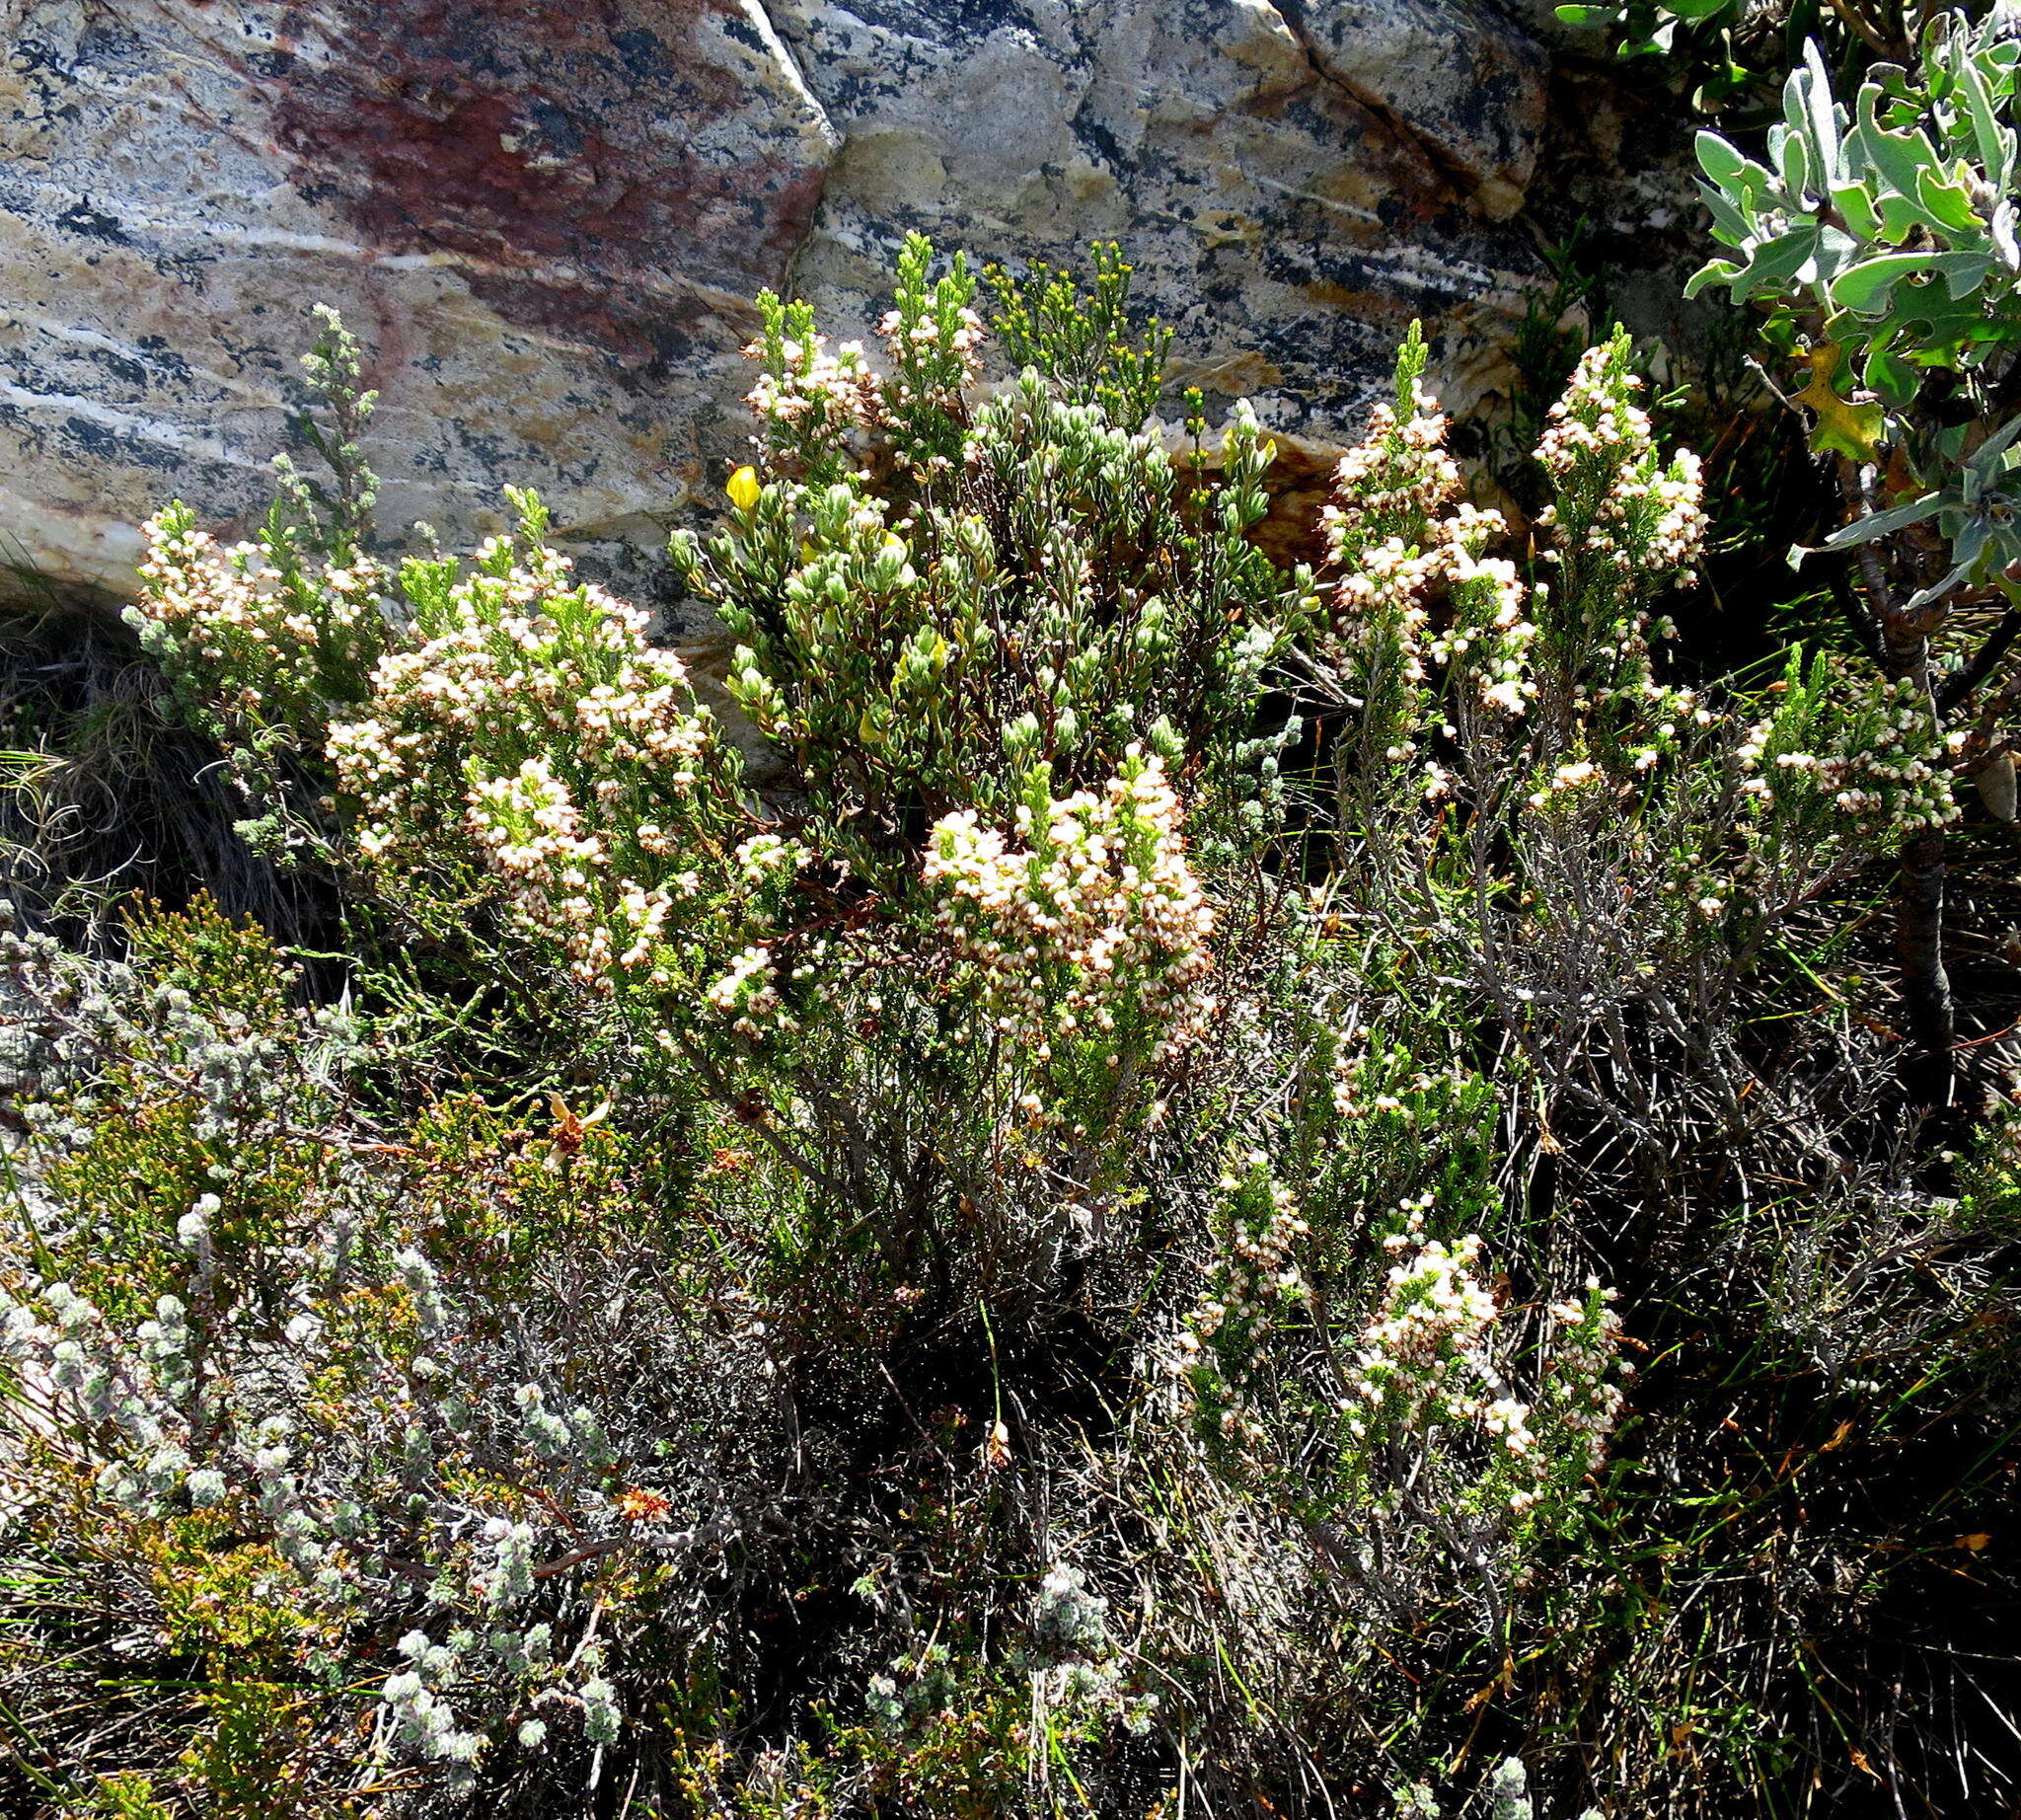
{"points": [[560, 148]]}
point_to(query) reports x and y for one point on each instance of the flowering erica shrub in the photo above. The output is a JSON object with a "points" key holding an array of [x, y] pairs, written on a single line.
{"points": [[1079, 1237]]}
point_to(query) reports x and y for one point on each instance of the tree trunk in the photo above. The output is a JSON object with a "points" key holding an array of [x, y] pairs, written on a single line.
{"points": [[1925, 985]]}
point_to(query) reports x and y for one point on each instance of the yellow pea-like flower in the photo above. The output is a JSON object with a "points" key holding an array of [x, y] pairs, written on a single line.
{"points": [[743, 489]]}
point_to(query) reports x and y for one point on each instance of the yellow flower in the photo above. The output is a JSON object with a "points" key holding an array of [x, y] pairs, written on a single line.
{"points": [[743, 489]]}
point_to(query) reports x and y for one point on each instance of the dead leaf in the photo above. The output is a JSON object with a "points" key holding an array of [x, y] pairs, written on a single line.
{"points": [[1850, 429]]}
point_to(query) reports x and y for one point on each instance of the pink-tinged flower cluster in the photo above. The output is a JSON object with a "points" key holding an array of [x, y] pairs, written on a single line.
{"points": [[1398, 474], [1426, 1341], [1093, 912], [518, 657], [1371, 1082], [1489, 635], [1261, 1271], [747, 996], [266, 641], [1381, 606], [1426, 1362], [934, 359], [1254, 1276], [1584, 1391], [1645, 512], [561, 879], [816, 392], [822, 411], [1879, 763], [1416, 593]]}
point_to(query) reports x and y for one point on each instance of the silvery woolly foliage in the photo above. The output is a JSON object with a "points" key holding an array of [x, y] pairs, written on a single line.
{"points": [[1883, 232]]}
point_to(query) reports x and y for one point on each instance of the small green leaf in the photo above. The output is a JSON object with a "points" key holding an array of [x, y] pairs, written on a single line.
{"points": [[1884, 524], [1964, 272], [1793, 160], [1995, 142], [1720, 159], [1823, 118], [1714, 271], [1856, 204], [1865, 288], [1901, 217], [1949, 205], [1900, 158], [1990, 458], [1889, 375], [1776, 262], [1729, 226]]}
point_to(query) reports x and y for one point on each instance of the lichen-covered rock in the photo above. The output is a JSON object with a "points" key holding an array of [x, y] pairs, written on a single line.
{"points": [[545, 221], [1288, 218]]}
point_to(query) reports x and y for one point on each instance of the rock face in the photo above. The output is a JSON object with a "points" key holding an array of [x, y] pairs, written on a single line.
{"points": [[545, 220]]}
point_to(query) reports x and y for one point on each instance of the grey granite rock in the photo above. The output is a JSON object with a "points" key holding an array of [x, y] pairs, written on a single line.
{"points": [[546, 220]]}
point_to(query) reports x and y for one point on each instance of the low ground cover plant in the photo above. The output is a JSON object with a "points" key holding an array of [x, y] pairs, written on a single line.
{"points": [[1219, 1187]]}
